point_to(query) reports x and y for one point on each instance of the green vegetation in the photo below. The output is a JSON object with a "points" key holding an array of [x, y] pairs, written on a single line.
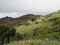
{"points": [[36, 42], [41, 30], [7, 34]]}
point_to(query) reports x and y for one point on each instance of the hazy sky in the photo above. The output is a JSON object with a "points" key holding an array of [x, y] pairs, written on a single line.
{"points": [[17, 8]]}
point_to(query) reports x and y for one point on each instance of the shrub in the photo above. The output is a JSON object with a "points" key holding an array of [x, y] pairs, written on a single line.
{"points": [[6, 33], [36, 22], [18, 37]]}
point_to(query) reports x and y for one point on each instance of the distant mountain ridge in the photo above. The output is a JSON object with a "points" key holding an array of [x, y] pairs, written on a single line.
{"points": [[13, 21]]}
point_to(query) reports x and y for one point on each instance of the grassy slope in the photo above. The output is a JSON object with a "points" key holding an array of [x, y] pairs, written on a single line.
{"points": [[36, 42], [26, 29]]}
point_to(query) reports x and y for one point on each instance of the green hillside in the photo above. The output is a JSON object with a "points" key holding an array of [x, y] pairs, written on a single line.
{"points": [[46, 31], [43, 30]]}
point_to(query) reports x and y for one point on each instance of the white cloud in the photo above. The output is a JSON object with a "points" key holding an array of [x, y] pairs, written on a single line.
{"points": [[29, 6]]}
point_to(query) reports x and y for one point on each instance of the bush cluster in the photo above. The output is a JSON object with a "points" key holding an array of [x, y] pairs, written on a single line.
{"points": [[7, 33]]}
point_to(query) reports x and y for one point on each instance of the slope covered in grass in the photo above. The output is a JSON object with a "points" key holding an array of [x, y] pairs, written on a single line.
{"points": [[36, 42], [44, 30]]}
